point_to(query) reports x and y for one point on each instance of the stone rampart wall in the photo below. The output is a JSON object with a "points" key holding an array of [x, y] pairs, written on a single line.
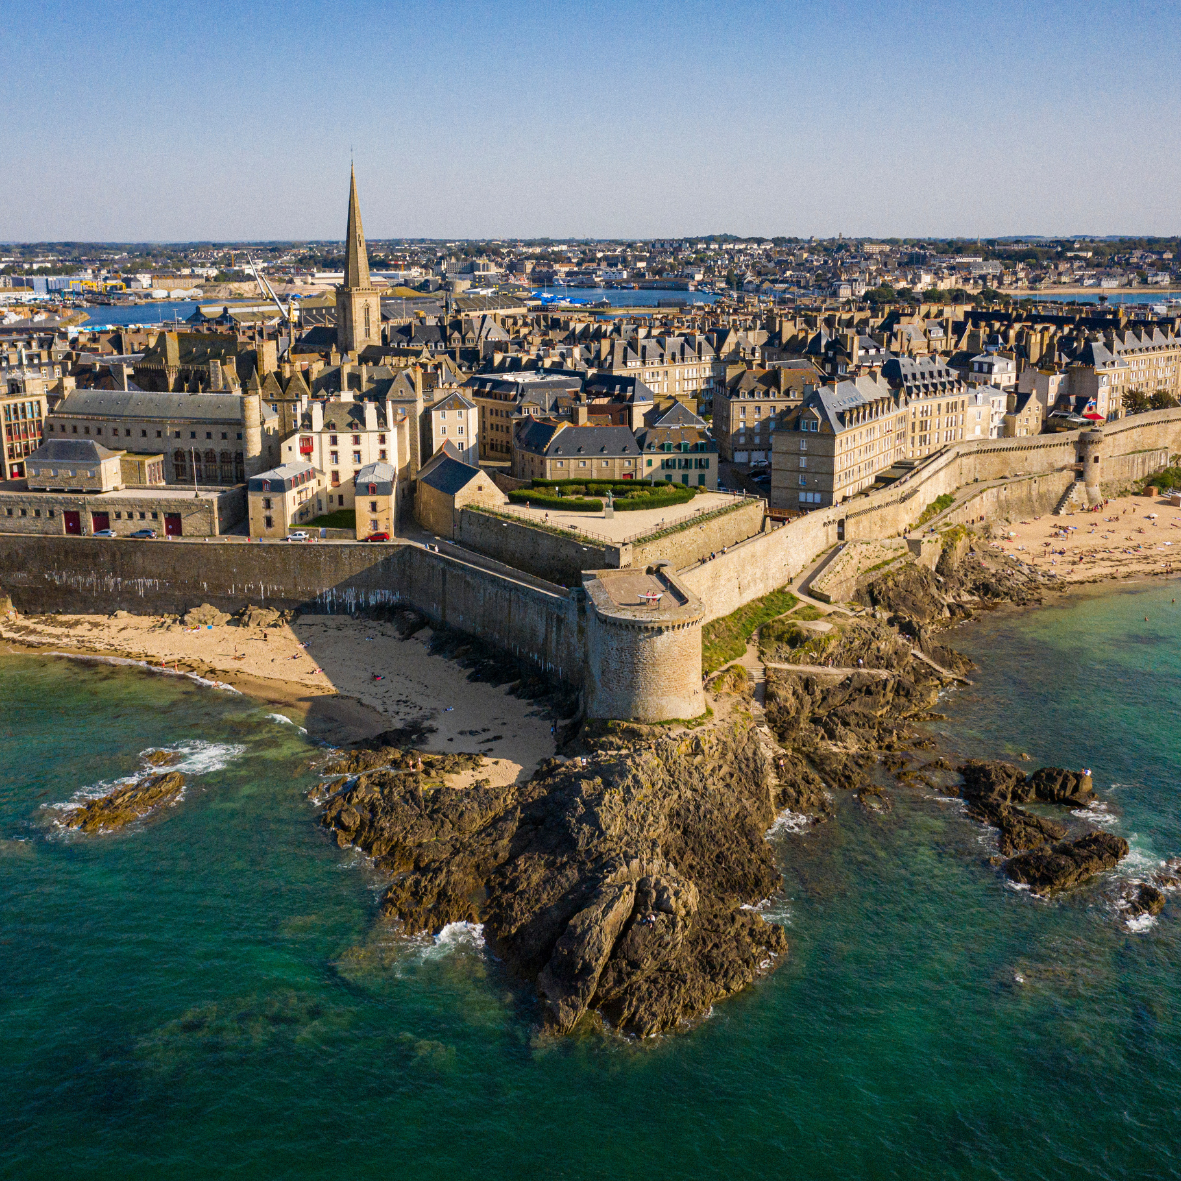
{"points": [[552, 556], [835, 584], [1033, 496], [689, 544], [538, 623]]}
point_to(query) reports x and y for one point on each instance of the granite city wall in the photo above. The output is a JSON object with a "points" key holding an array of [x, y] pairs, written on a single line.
{"points": [[552, 556], [534, 620], [693, 541]]}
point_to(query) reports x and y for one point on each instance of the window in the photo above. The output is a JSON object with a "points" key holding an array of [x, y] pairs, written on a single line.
{"points": [[159, 435], [209, 434], [268, 522], [461, 430], [803, 481], [224, 435], [356, 440], [381, 455], [356, 457], [266, 502], [335, 479], [331, 440], [373, 506], [192, 434]]}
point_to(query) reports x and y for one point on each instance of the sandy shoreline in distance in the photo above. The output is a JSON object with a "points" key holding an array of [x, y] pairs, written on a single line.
{"points": [[323, 672]]}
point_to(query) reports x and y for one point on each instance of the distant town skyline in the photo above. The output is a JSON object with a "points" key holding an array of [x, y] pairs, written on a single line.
{"points": [[157, 123]]}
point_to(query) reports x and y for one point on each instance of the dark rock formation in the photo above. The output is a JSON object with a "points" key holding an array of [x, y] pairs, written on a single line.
{"points": [[616, 884], [1055, 867], [993, 789], [125, 804], [1141, 899]]}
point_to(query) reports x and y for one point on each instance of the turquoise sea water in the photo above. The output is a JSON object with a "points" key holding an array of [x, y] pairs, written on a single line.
{"points": [[212, 995]]}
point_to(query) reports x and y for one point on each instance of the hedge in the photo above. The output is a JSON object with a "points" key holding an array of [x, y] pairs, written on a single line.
{"points": [[657, 498], [540, 498]]}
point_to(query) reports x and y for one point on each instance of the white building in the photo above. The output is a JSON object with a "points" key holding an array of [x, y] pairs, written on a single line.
{"points": [[454, 420], [985, 415], [338, 437], [993, 369]]}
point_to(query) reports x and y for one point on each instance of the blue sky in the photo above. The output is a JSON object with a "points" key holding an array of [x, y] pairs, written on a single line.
{"points": [[162, 121]]}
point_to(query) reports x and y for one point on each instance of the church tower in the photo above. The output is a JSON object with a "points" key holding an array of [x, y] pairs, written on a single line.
{"points": [[358, 306]]}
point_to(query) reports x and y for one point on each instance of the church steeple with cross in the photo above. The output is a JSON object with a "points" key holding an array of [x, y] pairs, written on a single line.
{"points": [[358, 305]]}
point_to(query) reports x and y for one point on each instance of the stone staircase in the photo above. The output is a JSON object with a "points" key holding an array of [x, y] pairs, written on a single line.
{"points": [[1075, 494]]}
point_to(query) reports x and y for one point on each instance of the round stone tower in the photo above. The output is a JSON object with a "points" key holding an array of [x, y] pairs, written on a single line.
{"points": [[1090, 452], [252, 455], [643, 646]]}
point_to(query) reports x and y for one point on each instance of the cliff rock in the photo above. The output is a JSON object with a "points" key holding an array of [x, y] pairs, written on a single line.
{"points": [[125, 804], [615, 881]]}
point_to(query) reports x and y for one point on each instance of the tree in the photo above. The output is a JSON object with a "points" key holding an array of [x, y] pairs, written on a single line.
{"points": [[1162, 400], [1136, 401], [883, 294]]}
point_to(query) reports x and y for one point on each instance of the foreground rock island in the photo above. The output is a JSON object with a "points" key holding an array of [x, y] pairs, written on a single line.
{"points": [[620, 880]]}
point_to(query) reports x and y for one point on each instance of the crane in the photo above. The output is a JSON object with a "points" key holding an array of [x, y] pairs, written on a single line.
{"points": [[267, 290]]}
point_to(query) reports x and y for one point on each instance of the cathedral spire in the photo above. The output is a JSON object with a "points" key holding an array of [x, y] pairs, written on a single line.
{"points": [[356, 260]]}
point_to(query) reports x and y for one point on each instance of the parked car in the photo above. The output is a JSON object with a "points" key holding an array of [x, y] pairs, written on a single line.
{"points": [[143, 533], [298, 535], [377, 537], [761, 478], [105, 533], [758, 464]]}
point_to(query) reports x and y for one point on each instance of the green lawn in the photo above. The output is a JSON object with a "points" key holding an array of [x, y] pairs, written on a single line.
{"points": [[343, 518], [725, 639]]}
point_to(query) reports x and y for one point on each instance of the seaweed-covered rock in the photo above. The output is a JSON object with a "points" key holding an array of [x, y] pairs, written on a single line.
{"points": [[126, 803]]}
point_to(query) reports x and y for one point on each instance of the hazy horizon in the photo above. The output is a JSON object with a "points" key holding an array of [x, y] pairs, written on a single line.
{"points": [[156, 123]]}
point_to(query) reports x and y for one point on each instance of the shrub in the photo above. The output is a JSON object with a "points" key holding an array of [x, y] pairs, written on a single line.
{"points": [[656, 498], [543, 498], [725, 639]]}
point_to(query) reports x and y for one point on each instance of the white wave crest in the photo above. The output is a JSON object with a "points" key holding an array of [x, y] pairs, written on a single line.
{"points": [[1097, 812], [284, 720], [789, 822], [455, 937], [202, 758], [1140, 923]]}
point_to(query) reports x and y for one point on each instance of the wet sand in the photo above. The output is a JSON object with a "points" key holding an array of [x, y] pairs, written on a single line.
{"points": [[344, 679]]}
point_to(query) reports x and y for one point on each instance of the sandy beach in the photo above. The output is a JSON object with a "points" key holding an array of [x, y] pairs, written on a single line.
{"points": [[1132, 537], [344, 679]]}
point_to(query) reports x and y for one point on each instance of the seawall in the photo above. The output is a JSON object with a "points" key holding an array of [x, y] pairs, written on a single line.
{"points": [[535, 621]]}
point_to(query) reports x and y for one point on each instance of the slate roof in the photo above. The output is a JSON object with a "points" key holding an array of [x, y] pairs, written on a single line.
{"points": [[620, 387], [71, 451], [449, 476], [833, 402], [288, 474], [138, 404], [543, 438], [380, 474]]}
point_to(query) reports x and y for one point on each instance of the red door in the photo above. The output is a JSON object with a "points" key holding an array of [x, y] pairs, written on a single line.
{"points": [[73, 522], [172, 524], [100, 521]]}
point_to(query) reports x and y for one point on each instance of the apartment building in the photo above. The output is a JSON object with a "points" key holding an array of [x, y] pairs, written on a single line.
{"points": [[747, 409], [676, 366], [376, 488], [985, 415], [993, 369], [283, 498], [836, 443], [935, 398], [554, 450], [678, 448], [339, 437], [22, 413], [455, 419]]}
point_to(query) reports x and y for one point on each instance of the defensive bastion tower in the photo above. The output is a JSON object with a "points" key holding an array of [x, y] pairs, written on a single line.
{"points": [[643, 645], [358, 305]]}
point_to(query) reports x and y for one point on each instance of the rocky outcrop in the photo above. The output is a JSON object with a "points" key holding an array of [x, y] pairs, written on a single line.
{"points": [[126, 803], [1055, 867], [205, 615], [615, 880], [993, 790], [259, 617]]}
